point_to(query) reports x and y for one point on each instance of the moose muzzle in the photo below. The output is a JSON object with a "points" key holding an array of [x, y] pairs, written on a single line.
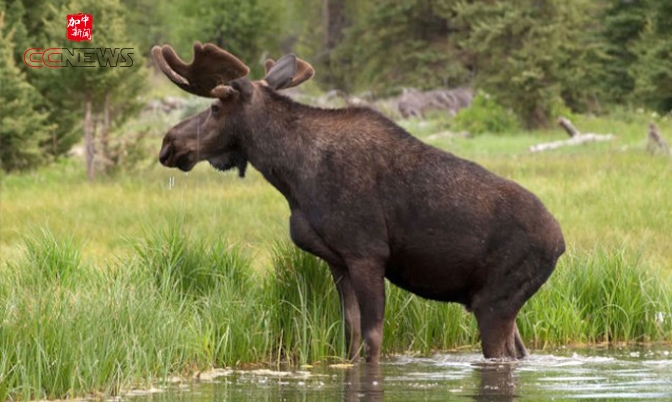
{"points": [[166, 154]]}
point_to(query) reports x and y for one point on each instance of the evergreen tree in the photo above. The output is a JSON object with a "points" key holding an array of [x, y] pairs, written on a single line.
{"points": [[29, 31], [622, 23], [95, 90], [652, 70], [248, 29], [147, 24], [22, 126], [14, 24], [528, 53], [393, 44]]}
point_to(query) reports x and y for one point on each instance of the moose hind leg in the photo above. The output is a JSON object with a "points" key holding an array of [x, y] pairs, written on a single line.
{"points": [[497, 304], [497, 334], [521, 351]]}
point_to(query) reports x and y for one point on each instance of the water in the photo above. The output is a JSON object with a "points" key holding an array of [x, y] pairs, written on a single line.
{"points": [[586, 374]]}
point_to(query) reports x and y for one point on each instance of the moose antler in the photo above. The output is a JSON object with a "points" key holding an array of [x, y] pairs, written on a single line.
{"points": [[207, 75]]}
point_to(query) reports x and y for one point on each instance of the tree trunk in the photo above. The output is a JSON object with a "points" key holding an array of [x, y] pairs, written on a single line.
{"points": [[334, 21], [105, 132], [88, 138], [568, 126], [655, 143]]}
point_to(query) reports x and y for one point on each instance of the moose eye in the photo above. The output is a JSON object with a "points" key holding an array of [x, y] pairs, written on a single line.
{"points": [[214, 108]]}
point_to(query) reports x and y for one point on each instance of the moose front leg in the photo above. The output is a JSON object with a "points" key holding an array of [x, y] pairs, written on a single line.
{"points": [[306, 238], [349, 309], [368, 281]]}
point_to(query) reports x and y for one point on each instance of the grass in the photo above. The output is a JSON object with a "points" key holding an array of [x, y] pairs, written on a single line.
{"points": [[184, 303], [122, 282]]}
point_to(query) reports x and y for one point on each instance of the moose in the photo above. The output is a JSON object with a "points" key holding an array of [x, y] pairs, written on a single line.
{"points": [[370, 199]]}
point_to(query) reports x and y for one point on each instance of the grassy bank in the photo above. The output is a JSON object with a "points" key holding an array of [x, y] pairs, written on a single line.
{"points": [[183, 303], [137, 277]]}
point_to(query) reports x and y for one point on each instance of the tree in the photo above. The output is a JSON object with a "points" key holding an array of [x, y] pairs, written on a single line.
{"points": [[652, 69], [248, 29], [29, 31], [622, 23], [99, 89], [394, 44], [22, 126], [14, 24], [529, 53]]}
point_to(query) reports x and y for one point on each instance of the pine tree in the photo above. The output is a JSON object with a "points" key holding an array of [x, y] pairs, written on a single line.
{"points": [[392, 44], [22, 126], [107, 91], [529, 53], [248, 29], [29, 31], [652, 71], [14, 23], [622, 23]]}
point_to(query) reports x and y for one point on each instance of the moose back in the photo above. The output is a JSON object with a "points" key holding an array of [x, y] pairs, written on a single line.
{"points": [[371, 200]]}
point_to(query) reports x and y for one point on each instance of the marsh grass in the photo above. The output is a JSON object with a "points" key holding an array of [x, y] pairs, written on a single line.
{"points": [[602, 297], [184, 303], [307, 308]]}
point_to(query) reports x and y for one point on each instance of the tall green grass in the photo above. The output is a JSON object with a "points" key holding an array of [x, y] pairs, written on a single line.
{"points": [[182, 302], [306, 306], [604, 296]]}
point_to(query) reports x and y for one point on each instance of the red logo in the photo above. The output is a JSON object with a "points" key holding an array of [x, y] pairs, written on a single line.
{"points": [[80, 27]]}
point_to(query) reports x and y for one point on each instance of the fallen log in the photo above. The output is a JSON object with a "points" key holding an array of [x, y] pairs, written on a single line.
{"points": [[656, 144], [576, 137], [568, 126]]}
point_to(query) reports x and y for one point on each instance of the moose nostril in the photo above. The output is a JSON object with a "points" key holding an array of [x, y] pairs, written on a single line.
{"points": [[165, 154]]}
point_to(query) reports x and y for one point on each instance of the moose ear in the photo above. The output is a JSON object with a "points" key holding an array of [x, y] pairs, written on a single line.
{"points": [[287, 72], [280, 75]]}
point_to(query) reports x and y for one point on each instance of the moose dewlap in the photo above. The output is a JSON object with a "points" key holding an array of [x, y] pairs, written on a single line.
{"points": [[370, 199]]}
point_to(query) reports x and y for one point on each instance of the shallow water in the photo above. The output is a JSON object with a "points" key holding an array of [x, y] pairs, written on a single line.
{"points": [[598, 374]]}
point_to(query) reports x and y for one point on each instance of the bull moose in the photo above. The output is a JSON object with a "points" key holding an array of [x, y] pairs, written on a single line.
{"points": [[370, 199]]}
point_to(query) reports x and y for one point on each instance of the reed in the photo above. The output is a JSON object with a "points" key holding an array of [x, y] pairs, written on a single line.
{"points": [[182, 303], [306, 306], [603, 296]]}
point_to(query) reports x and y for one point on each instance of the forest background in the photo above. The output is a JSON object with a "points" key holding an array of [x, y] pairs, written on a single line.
{"points": [[537, 59]]}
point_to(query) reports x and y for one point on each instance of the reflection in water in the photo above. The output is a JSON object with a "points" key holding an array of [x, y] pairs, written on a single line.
{"points": [[607, 374], [497, 382], [363, 382]]}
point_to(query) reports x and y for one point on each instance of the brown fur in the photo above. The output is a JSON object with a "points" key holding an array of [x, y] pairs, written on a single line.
{"points": [[375, 202]]}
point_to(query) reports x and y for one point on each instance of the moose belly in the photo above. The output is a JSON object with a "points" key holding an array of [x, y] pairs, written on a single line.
{"points": [[444, 272]]}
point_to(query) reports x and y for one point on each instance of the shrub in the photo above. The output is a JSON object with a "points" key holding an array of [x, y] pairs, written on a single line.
{"points": [[485, 115]]}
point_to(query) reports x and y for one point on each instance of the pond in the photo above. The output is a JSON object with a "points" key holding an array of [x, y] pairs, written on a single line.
{"points": [[598, 374]]}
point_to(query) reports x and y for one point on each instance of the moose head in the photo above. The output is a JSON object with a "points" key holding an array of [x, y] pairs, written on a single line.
{"points": [[215, 73]]}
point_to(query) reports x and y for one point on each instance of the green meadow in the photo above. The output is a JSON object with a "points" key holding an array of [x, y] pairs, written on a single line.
{"points": [[155, 273]]}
